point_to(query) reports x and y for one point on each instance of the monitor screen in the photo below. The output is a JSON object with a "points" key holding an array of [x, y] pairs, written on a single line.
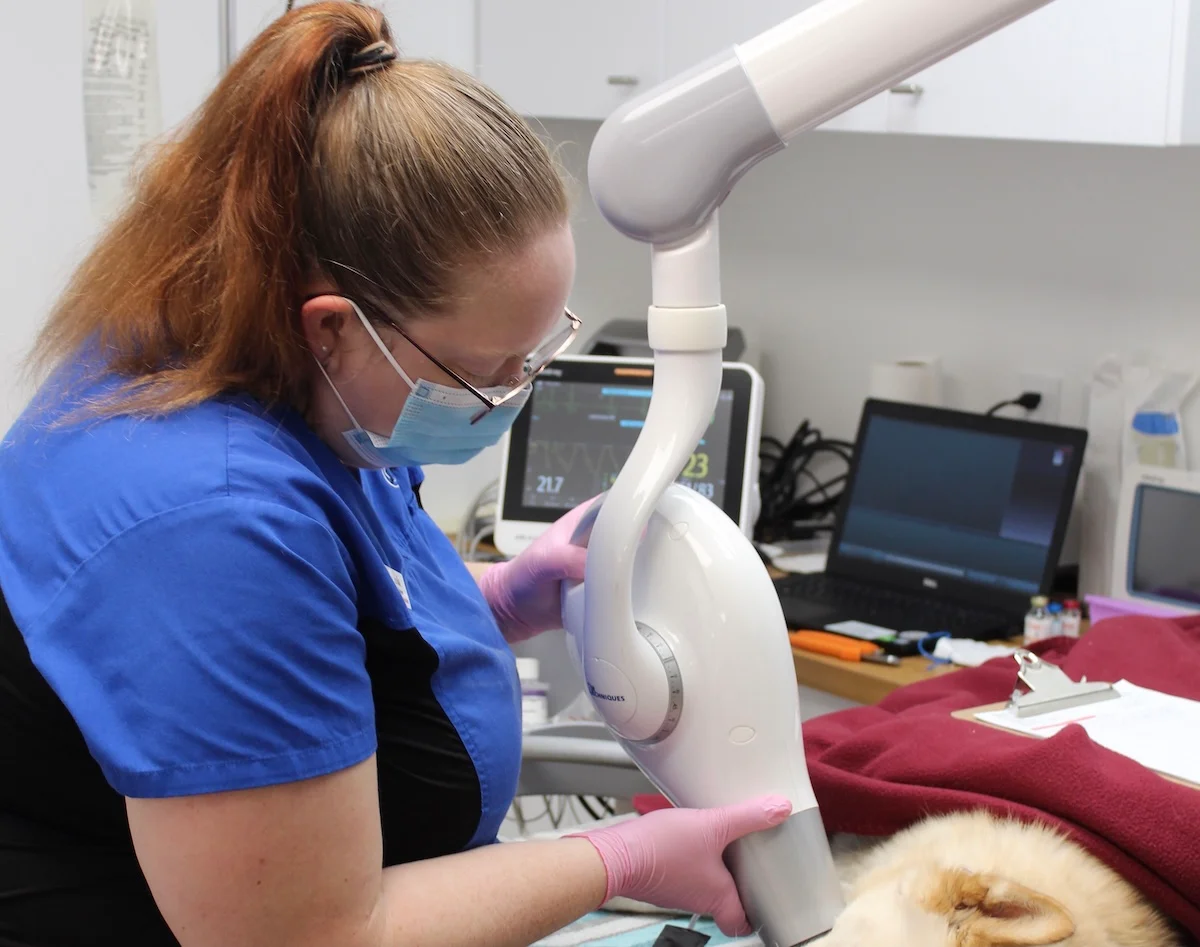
{"points": [[581, 434], [1165, 558], [974, 506]]}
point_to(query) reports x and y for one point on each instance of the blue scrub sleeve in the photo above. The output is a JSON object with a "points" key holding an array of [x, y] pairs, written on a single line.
{"points": [[212, 647]]}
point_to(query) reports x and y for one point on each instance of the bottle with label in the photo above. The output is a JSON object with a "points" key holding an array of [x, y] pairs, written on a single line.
{"points": [[1072, 618], [1038, 624], [1055, 610], [535, 694]]}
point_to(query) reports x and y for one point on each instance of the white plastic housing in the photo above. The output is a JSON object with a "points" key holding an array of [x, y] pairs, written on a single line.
{"points": [[624, 675], [701, 587]]}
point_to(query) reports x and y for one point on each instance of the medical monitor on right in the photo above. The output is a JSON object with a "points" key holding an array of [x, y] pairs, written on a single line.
{"points": [[1156, 556]]}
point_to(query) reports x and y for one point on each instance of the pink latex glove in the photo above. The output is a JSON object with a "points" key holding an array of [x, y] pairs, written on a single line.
{"points": [[525, 593], [673, 858]]}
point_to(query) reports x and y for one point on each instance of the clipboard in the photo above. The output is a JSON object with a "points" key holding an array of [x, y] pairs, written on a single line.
{"points": [[970, 715]]}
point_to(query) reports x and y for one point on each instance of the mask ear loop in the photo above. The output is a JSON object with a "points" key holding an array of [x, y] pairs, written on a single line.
{"points": [[342, 401], [387, 353]]}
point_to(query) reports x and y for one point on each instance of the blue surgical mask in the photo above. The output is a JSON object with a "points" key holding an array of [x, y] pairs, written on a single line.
{"points": [[434, 427]]}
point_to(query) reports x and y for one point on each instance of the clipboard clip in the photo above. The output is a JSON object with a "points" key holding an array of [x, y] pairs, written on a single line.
{"points": [[1049, 688]]}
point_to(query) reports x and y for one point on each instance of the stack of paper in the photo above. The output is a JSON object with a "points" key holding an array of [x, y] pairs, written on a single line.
{"points": [[1155, 729]]}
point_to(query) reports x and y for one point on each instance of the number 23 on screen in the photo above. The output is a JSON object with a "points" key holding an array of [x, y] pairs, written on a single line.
{"points": [[697, 467]]}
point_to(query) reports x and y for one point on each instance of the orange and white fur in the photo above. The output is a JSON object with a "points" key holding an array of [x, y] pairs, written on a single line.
{"points": [[973, 880]]}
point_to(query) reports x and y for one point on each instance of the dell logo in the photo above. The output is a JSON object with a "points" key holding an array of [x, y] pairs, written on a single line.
{"points": [[615, 698], [929, 583]]}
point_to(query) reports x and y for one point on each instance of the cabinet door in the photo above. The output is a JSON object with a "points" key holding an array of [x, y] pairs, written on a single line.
{"points": [[444, 30], [252, 17], [1076, 70], [557, 59], [697, 29]]}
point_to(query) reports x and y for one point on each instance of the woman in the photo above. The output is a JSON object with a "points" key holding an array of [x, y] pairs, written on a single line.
{"points": [[248, 694]]}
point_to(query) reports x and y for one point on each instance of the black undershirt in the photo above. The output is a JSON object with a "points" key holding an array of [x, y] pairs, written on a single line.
{"points": [[68, 873]]}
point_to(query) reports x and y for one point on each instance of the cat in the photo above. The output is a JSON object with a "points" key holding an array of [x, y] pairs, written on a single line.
{"points": [[972, 879]]}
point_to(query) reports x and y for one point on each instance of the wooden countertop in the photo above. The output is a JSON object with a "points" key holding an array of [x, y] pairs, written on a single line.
{"points": [[866, 682], [860, 681]]}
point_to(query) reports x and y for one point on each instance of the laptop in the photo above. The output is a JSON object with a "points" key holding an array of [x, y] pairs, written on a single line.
{"points": [[950, 522]]}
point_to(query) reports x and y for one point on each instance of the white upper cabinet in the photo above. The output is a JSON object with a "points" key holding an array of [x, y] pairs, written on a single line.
{"points": [[442, 30], [1076, 70], [1092, 71], [570, 58]]}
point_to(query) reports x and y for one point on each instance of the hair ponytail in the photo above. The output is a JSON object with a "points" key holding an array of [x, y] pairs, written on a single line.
{"points": [[384, 176]]}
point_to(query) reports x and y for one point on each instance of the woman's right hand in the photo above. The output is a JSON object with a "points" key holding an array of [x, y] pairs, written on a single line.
{"points": [[672, 858]]}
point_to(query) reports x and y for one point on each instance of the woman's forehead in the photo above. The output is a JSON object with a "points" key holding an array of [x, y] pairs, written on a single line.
{"points": [[508, 307]]}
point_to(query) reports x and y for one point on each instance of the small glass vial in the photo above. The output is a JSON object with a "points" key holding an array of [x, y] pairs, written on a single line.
{"points": [[1072, 618], [1055, 610], [535, 695], [1038, 623]]}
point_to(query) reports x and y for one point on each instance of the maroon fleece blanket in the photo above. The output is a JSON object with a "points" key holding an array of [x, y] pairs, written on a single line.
{"points": [[878, 769]]}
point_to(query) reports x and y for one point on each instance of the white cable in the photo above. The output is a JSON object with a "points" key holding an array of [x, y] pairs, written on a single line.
{"points": [[475, 523], [518, 815]]}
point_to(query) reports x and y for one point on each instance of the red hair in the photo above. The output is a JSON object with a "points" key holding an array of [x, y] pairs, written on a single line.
{"points": [[384, 183]]}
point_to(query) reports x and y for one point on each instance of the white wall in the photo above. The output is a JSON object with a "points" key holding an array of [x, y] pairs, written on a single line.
{"points": [[45, 217], [1000, 256]]}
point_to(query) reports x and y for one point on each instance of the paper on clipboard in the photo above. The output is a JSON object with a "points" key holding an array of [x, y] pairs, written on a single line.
{"points": [[1154, 729], [122, 110]]}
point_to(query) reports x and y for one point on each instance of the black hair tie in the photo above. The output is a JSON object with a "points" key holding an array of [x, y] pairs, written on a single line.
{"points": [[370, 58]]}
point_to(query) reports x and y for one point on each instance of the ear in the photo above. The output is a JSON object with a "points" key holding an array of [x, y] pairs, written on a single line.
{"points": [[323, 320], [990, 911]]}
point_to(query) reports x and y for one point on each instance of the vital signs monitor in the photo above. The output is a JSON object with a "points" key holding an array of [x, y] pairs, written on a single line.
{"points": [[580, 423]]}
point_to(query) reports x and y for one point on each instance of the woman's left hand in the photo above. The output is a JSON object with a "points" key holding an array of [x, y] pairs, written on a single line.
{"points": [[525, 593]]}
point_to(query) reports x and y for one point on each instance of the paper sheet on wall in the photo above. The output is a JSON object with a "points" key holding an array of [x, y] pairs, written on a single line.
{"points": [[121, 105]]}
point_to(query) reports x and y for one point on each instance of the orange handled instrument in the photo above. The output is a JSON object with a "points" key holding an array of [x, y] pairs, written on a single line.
{"points": [[839, 646]]}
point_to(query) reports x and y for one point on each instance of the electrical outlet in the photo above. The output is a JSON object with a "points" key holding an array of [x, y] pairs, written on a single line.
{"points": [[1050, 388]]}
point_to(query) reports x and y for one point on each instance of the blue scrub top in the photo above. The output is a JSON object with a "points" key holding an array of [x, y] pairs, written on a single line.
{"points": [[221, 604]]}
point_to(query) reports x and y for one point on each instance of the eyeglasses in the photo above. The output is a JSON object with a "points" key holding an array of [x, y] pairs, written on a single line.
{"points": [[535, 364]]}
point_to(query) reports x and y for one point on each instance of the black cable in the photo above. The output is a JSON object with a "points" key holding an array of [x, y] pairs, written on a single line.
{"points": [[1029, 400], [607, 805], [590, 811], [796, 501]]}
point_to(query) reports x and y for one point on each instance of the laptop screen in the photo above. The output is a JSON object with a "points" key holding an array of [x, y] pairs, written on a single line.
{"points": [[951, 501]]}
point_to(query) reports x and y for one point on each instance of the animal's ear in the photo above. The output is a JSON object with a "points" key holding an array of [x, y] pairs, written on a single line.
{"points": [[990, 911]]}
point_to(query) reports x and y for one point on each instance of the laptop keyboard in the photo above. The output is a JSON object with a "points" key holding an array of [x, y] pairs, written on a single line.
{"points": [[899, 611]]}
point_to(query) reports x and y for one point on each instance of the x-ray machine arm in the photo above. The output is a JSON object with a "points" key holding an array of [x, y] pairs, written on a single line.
{"points": [[677, 628]]}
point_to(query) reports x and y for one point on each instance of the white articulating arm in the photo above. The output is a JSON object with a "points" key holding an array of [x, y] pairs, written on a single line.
{"points": [[677, 627], [658, 170]]}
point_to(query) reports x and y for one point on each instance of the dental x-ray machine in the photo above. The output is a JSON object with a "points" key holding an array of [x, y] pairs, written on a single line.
{"points": [[677, 627]]}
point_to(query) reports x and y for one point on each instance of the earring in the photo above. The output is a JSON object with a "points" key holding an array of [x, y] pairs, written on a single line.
{"points": [[325, 349]]}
